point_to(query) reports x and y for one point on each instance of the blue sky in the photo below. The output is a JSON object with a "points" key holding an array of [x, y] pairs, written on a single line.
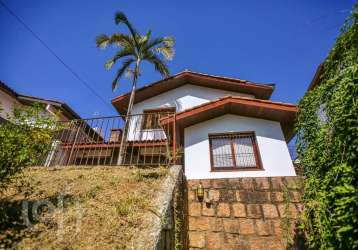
{"points": [[265, 41]]}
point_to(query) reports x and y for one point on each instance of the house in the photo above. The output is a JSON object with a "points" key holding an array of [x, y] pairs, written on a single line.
{"points": [[226, 127], [217, 127], [10, 98]]}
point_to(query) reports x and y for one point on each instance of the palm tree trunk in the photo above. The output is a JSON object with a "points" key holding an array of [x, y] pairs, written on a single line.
{"points": [[123, 146]]}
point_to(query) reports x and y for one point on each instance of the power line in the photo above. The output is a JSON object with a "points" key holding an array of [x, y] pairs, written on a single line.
{"points": [[53, 53]]}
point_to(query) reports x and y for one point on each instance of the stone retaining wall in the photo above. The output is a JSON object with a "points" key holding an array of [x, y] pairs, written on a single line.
{"points": [[244, 213]]}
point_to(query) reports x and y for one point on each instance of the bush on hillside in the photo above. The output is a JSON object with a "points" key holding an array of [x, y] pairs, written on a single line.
{"points": [[24, 140]]}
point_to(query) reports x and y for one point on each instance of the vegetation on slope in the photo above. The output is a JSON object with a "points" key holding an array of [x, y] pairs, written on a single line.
{"points": [[94, 208]]}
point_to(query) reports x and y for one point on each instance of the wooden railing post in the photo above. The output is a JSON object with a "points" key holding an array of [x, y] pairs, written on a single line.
{"points": [[73, 145], [174, 140]]}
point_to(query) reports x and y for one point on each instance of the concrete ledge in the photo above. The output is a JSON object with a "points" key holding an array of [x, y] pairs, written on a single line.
{"points": [[150, 238]]}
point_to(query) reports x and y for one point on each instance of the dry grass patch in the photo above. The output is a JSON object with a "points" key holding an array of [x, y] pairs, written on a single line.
{"points": [[96, 208]]}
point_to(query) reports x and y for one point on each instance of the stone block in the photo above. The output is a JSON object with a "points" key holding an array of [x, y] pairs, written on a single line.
{"points": [[263, 227], [214, 240], [192, 223], [247, 183], [208, 210], [241, 196], [235, 241], [191, 195], [227, 195], [276, 197], [192, 184], [195, 209], [223, 210], [270, 211], [246, 226], [288, 211], [214, 194], [277, 183], [220, 183], [254, 211], [216, 224], [231, 225], [273, 243], [196, 239], [239, 209], [277, 227], [295, 196], [293, 182], [257, 243], [257, 197], [199, 223], [206, 183], [234, 183], [262, 183]]}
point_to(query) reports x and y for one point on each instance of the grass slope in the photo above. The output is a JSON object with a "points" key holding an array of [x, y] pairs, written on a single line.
{"points": [[95, 208]]}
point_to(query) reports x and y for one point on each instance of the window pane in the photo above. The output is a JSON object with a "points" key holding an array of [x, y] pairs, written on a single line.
{"points": [[244, 151], [221, 152], [151, 121]]}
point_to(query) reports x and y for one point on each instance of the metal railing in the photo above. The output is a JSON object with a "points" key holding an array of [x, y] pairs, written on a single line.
{"points": [[97, 141]]}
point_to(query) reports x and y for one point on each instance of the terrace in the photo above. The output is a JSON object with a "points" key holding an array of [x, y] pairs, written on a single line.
{"points": [[97, 141]]}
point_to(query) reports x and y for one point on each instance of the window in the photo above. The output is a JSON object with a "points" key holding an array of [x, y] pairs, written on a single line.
{"points": [[150, 121], [152, 116], [234, 151]]}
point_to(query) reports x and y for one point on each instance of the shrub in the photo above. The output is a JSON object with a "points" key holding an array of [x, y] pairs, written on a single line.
{"points": [[24, 140]]}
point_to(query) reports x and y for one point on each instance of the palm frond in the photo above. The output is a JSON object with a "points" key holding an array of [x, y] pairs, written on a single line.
{"points": [[119, 55], [166, 51], [118, 39], [102, 41], [125, 65], [159, 65], [168, 41], [120, 17], [144, 39]]}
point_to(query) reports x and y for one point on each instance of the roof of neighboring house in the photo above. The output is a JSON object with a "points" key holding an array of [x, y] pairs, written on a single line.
{"points": [[316, 78], [260, 91], [25, 99], [8, 90], [284, 113]]}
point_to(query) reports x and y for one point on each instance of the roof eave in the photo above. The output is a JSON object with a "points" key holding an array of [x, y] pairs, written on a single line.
{"points": [[280, 112], [260, 91]]}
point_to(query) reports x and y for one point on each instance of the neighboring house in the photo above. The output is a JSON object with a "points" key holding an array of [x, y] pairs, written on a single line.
{"points": [[227, 127], [9, 99]]}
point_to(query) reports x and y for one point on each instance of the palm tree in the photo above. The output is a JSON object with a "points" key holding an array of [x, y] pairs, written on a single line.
{"points": [[135, 48]]}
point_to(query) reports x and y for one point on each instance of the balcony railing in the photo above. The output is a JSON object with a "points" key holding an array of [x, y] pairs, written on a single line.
{"points": [[98, 141]]}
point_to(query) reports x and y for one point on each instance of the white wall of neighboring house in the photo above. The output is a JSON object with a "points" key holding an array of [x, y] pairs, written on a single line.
{"points": [[276, 160], [7, 103], [184, 97]]}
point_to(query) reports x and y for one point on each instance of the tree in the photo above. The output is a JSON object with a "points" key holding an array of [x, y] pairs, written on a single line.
{"points": [[24, 140], [135, 48]]}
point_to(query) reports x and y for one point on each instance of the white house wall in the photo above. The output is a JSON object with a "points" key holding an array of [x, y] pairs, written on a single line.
{"points": [[272, 147], [184, 97]]}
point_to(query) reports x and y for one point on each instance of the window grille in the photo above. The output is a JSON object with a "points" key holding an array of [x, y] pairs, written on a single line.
{"points": [[232, 151]]}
